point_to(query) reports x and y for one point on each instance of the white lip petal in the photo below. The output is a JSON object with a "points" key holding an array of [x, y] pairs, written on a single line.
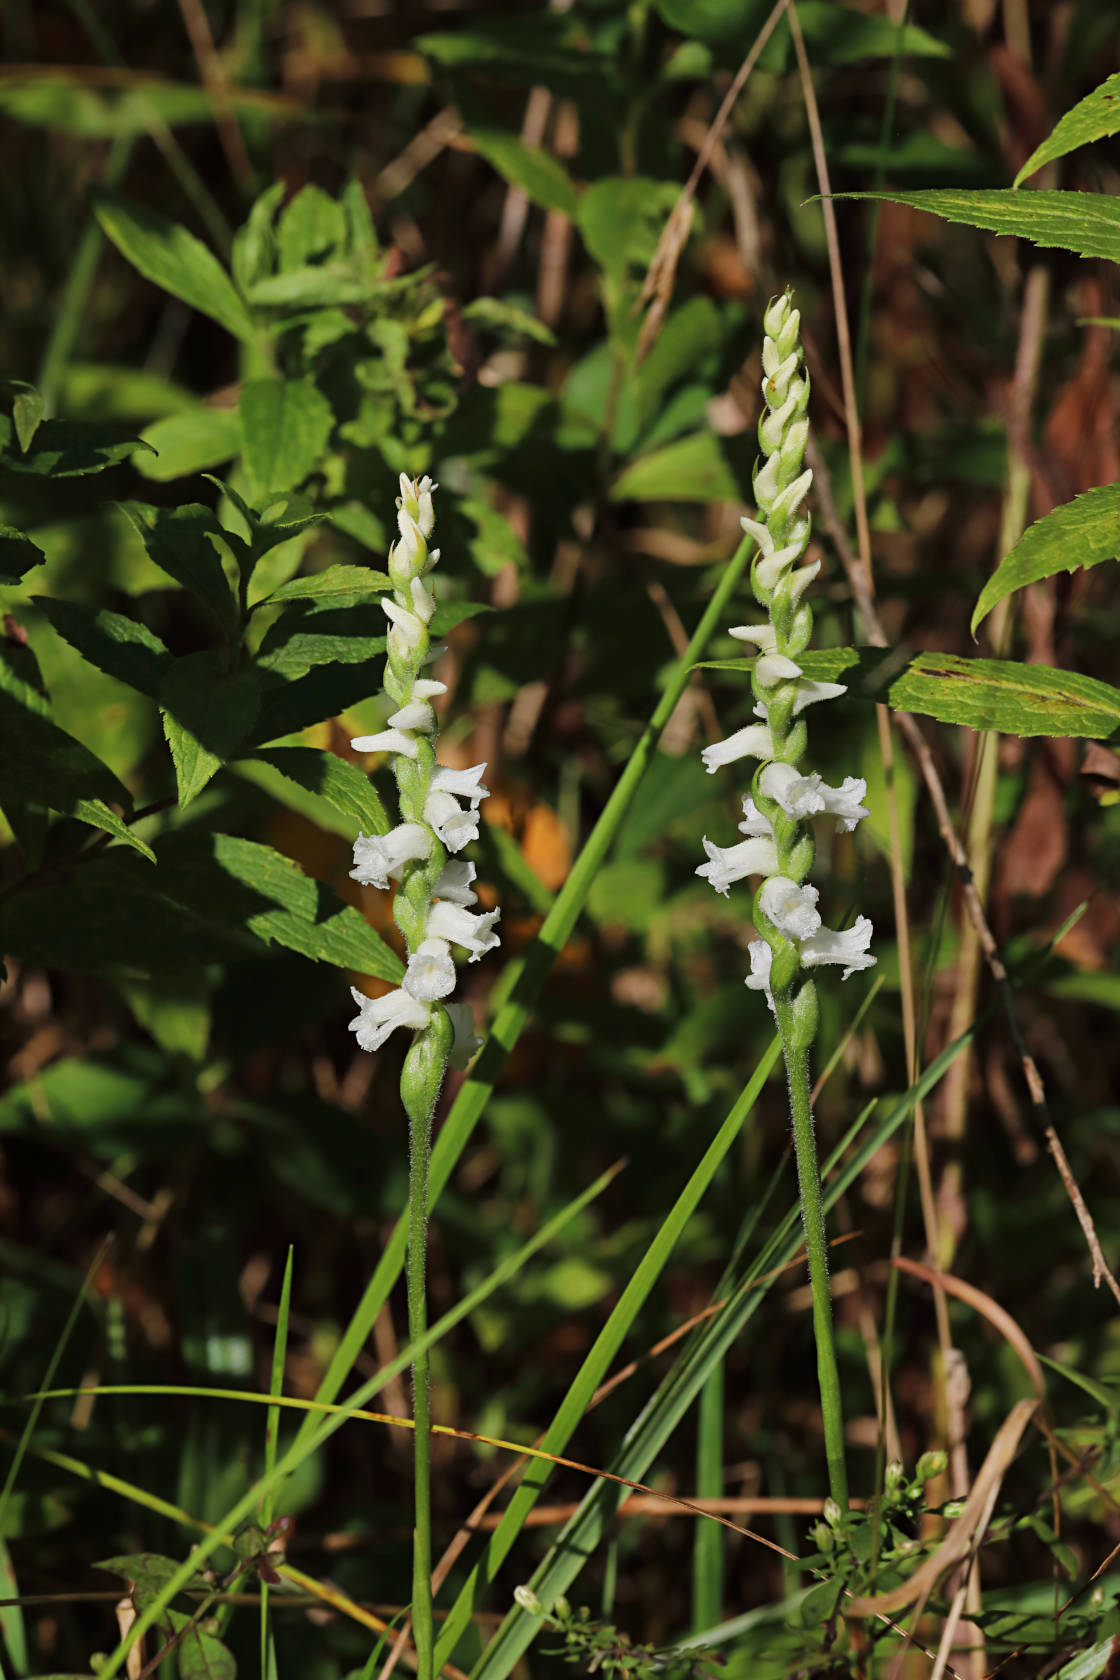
{"points": [[752, 742]]}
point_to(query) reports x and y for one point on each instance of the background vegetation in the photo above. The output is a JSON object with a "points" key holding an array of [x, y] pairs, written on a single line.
{"points": [[444, 275]]}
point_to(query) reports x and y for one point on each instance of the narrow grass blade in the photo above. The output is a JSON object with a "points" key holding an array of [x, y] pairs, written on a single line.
{"points": [[52, 1367], [598, 1360], [11, 1619], [271, 1436], [305, 1445], [523, 980], [707, 1547], [584, 1530]]}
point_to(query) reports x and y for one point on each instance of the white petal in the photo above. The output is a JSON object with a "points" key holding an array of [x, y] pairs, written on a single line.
{"points": [[423, 601], [378, 1017], [466, 783], [389, 740], [752, 742], [455, 827], [848, 946], [792, 909], [799, 796], [774, 668], [764, 636], [377, 856], [475, 933], [408, 628], [772, 566], [466, 1042], [845, 802], [733, 863], [801, 579], [426, 688], [414, 714], [759, 977], [454, 882], [425, 513], [809, 692], [430, 974], [755, 823]]}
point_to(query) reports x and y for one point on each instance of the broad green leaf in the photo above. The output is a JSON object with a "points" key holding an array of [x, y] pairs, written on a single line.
{"points": [[345, 630], [840, 34], [342, 784], [996, 694], [254, 243], [68, 103], [312, 697], [1084, 222], [42, 766], [204, 1657], [693, 469], [285, 425], [621, 219], [213, 897], [190, 442], [180, 541], [1080, 533], [1092, 118], [171, 257], [715, 21], [497, 315], [1001, 695], [27, 411], [346, 583], [310, 229], [119, 646], [207, 714], [17, 554], [146, 1570], [173, 1007], [544, 47], [66, 448], [690, 333], [539, 175], [319, 287]]}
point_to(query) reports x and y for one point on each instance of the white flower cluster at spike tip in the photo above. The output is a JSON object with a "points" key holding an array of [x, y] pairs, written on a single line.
{"points": [[777, 846], [438, 809]]}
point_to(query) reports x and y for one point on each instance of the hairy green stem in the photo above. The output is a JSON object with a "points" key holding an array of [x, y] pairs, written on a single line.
{"points": [[419, 1144], [816, 1246]]}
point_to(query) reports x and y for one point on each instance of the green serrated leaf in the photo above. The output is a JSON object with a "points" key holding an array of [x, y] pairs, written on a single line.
{"points": [[17, 554], [342, 784], [1084, 222], [66, 448], [341, 584], [97, 814], [42, 765], [27, 413], [310, 698], [310, 229], [119, 646], [621, 218], [254, 243], [1080, 533], [207, 714], [497, 315], [190, 442], [179, 540], [167, 254], [285, 426], [692, 469], [1092, 118], [203, 1657]]}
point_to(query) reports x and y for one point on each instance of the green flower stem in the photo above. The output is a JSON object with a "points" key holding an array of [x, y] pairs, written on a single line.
{"points": [[816, 1246], [419, 1154], [523, 981]]}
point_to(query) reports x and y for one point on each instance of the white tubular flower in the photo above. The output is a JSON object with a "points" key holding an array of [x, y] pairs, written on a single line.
{"points": [[771, 668], [414, 714], [792, 909], [388, 740], [754, 823], [801, 580], [475, 933], [466, 1041], [764, 636], [406, 628], [759, 977], [455, 881], [752, 742], [804, 796], [426, 688], [455, 827], [426, 518], [377, 856], [467, 784], [809, 692], [423, 601], [378, 1017], [430, 974], [727, 864], [848, 946]]}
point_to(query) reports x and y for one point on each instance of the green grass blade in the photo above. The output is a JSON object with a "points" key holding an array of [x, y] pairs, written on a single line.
{"points": [[305, 1445], [11, 1619], [52, 1367], [523, 980], [584, 1530], [598, 1360], [707, 1546], [271, 1436]]}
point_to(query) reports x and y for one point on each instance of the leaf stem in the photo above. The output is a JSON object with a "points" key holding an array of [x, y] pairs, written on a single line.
{"points": [[816, 1245]]}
